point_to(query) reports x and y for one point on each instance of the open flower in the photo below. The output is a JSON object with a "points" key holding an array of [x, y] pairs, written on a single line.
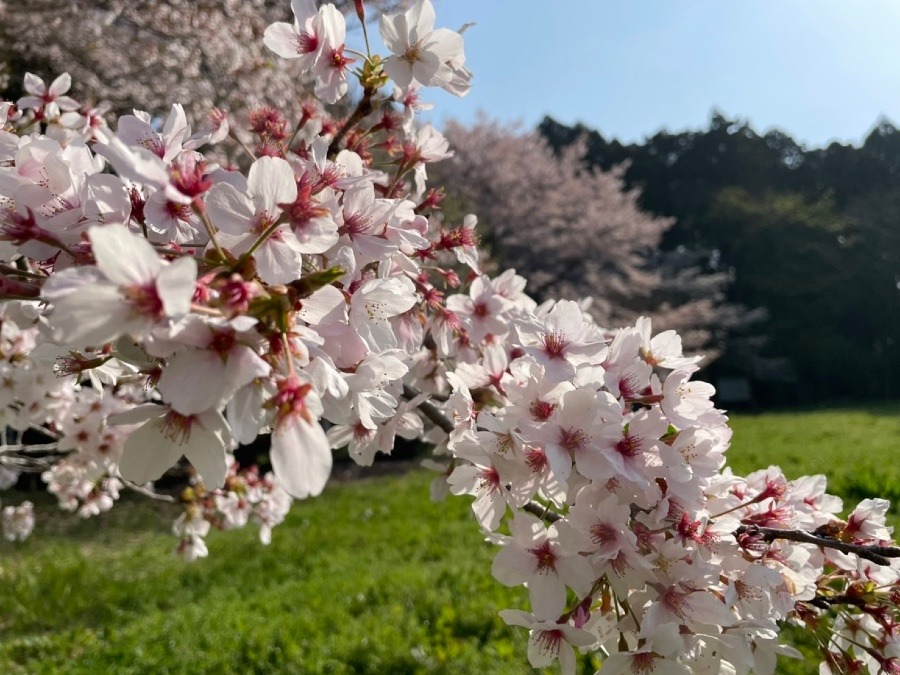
{"points": [[547, 560], [246, 214], [130, 291], [301, 40], [47, 102], [301, 453], [165, 436], [422, 54]]}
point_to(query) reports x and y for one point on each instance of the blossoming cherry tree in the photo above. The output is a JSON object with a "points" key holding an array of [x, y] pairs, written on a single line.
{"points": [[160, 304]]}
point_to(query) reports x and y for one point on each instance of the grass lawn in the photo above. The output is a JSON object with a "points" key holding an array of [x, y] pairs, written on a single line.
{"points": [[369, 578]]}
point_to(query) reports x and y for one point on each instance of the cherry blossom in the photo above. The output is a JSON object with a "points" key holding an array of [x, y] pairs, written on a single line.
{"points": [[17, 522], [300, 40], [129, 292], [538, 556], [47, 102], [422, 54]]}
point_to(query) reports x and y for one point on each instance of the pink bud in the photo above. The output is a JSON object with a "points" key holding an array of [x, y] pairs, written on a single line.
{"points": [[360, 10]]}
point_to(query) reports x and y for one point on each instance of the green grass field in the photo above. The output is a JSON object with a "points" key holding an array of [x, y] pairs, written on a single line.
{"points": [[369, 578]]}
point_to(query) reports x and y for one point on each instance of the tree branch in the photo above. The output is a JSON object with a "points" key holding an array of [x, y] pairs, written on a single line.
{"points": [[33, 458], [364, 108], [430, 410], [148, 493], [880, 555], [542, 512]]}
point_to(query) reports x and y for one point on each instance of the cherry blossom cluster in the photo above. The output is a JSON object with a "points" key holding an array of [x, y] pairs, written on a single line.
{"points": [[164, 305], [245, 497], [17, 522], [597, 464]]}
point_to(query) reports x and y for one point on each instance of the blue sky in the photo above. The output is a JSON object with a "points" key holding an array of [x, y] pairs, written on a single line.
{"points": [[818, 69]]}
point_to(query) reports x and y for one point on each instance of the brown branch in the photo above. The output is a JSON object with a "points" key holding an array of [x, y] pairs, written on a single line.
{"points": [[880, 555], [430, 410], [824, 602], [364, 108], [542, 512], [34, 458]]}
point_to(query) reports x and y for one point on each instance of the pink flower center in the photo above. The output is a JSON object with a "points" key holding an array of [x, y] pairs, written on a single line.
{"points": [[537, 460], [178, 211], [676, 602], [338, 60], [177, 427], [355, 223], [490, 478], [555, 344], [573, 439], [541, 410], [602, 533], [306, 43], [544, 557], [154, 145], [413, 54], [481, 310], [363, 433], [747, 591], [629, 447], [642, 663], [145, 300], [620, 564], [629, 387], [222, 342], [549, 640]]}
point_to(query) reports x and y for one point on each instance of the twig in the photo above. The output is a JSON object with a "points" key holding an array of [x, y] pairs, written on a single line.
{"points": [[31, 458], [880, 555], [430, 410], [824, 602], [365, 107], [542, 512], [148, 493]]}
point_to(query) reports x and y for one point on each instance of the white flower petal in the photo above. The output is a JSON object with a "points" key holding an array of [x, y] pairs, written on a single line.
{"points": [[272, 179], [229, 209], [301, 457], [281, 38], [148, 454], [125, 258], [206, 446], [175, 285]]}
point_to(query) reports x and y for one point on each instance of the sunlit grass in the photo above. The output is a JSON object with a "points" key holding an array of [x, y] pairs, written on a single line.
{"points": [[369, 578]]}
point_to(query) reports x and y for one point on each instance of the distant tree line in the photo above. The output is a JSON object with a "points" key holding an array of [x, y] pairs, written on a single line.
{"points": [[811, 236]]}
